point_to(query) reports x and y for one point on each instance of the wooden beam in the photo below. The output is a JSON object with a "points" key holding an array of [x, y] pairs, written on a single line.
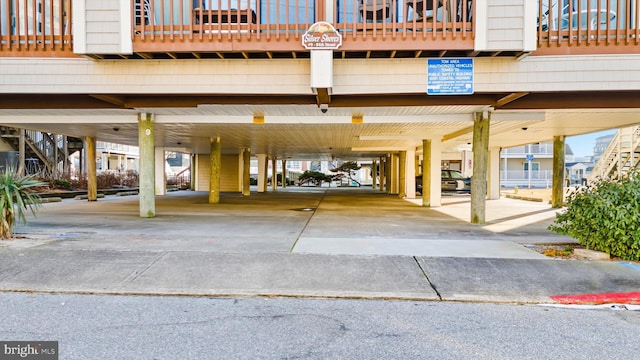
{"points": [[323, 96], [455, 134], [509, 98], [111, 99], [557, 173], [480, 161]]}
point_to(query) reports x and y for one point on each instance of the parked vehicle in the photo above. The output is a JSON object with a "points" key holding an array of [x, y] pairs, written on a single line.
{"points": [[451, 181]]}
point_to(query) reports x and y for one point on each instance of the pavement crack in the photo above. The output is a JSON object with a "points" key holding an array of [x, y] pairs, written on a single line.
{"points": [[427, 277], [306, 224], [134, 275]]}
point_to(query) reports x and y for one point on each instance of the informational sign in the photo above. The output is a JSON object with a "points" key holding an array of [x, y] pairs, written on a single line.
{"points": [[450, 76], [322, 36]]}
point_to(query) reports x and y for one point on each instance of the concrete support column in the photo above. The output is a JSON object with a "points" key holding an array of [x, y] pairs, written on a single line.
{"points": [[395, 178], [480, 158], [146, 180], [284, 173], [82, 171], [262, 173], [21, 154], [431, 175], [557, 188], [493, 185], [192, 172], [216, 163], [56, 156], [160, 172], [410, 174], [382, 173], [246, 173], [65, 153], [274, 174], [92, 182], [402, 174], [374, 174], [387, 173]]}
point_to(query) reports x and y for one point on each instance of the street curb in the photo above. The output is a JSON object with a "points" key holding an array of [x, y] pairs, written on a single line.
{"points": [[519, 197], [606, 298]]}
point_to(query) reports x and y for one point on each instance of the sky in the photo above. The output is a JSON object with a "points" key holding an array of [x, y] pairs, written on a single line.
{"points": [[582, 145]]}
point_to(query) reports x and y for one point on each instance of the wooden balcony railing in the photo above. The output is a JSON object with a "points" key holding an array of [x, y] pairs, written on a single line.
{"points": [[218, 26], [240, 28], [588, 27], [35, 28]]}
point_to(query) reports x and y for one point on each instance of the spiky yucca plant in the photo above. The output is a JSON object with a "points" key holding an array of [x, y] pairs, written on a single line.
{"points": [[17, 195]]}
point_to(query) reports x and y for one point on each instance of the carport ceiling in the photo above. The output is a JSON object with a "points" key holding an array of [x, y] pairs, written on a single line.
{"points": [[302, 132]]}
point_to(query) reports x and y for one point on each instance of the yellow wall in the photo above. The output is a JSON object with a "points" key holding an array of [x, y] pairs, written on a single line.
{"points": [[229, 177]]}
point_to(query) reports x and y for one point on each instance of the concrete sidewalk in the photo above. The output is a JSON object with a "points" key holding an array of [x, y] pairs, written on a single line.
{"points": [[327, 243]]}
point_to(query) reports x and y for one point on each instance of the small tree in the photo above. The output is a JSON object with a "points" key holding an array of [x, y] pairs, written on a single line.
{"points": [[17, 194], [345, 169], [605, 216], [313, 177]]}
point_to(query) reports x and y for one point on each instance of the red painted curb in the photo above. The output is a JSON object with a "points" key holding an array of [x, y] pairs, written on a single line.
{"points": [[620, 298]]}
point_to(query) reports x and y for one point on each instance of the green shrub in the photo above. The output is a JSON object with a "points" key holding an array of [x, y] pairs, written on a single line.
{"points": [[17, 195], [605, 217], [62, 184]]}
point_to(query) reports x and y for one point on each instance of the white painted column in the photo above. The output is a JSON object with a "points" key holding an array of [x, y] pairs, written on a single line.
{"points": [[411, 174], [493, 180], [435, 193], [160, 173], [262, 176]]}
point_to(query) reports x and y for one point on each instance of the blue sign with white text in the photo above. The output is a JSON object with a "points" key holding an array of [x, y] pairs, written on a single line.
{"points": [[450, 76]]}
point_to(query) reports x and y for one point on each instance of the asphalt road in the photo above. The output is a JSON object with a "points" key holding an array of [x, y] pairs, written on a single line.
{"points": [[143, 327]]}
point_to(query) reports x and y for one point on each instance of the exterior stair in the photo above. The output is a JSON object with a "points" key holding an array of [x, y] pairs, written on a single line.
{"points": [[39, 148], [621, 156]]}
